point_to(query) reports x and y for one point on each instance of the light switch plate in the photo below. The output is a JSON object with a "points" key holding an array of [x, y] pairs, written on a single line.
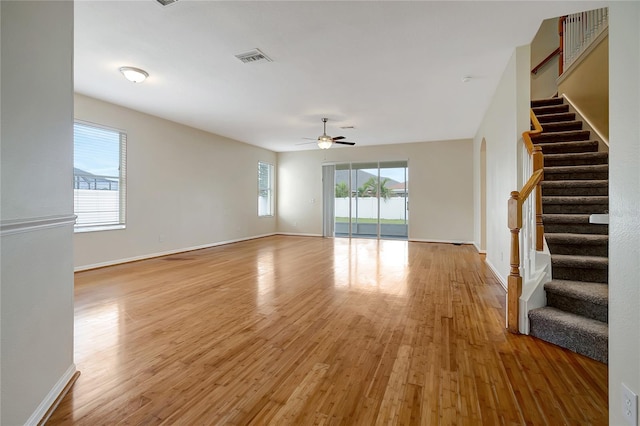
{"points": [[629, 406]]}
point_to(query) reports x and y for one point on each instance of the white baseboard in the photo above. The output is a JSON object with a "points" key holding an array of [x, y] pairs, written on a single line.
{"points": [[501, 280], [420, 240], [52, 396], [165, 253], [298, 234], [478, 249]]}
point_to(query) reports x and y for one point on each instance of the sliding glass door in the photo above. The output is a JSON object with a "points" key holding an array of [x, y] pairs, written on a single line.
{"points": [[371, 200]]}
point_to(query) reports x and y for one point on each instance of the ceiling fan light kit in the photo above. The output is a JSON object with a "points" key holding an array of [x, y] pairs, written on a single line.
{"points": [[325, 141]]}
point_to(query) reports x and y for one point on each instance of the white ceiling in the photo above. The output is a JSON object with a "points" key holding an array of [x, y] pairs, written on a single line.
{"points": [[392, 69]]}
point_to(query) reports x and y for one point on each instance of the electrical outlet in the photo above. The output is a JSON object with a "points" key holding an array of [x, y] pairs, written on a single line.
{"points": [[629, 406]]}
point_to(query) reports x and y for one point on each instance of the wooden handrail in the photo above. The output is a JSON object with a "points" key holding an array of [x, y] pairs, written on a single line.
{"points": [[537, 129], [545, 60], [514, 281], [531, 184]]}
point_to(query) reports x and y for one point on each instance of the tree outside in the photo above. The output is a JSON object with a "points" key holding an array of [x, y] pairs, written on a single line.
{"points": [[370, 189]]}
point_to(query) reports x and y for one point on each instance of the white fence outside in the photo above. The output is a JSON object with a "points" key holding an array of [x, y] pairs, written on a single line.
{"points": [[96, 206], [367, 208]]}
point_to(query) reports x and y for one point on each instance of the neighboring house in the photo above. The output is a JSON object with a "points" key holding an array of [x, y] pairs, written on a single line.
{"points": [[86, 180], [37, 221]]}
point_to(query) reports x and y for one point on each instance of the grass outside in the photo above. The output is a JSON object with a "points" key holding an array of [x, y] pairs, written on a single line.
{"points": [[371, 220]]}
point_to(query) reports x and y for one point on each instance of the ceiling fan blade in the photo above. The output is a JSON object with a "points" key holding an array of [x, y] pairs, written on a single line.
{"points": [[337, 138], [306, 143], [311, 139], [344, 142]]}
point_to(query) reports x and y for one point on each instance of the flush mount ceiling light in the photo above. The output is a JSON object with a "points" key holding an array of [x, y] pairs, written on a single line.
{"points": [[135, 75]]}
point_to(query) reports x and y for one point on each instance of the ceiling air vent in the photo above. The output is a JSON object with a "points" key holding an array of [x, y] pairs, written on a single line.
{"points": [[254, 55], [166, 2]]}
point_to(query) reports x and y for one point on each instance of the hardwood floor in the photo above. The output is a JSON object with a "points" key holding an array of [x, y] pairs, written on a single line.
{"points": [[300, 330]]}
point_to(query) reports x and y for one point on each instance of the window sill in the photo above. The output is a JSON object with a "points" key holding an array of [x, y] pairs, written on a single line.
{"points": [[81, 230]]}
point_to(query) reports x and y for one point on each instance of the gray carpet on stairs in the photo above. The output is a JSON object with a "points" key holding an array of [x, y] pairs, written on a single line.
{"points": [[575, 186]]}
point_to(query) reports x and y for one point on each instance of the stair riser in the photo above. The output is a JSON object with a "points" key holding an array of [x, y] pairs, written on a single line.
{"points": [[575, 191], [569, 148], [579, 249], [562, 137], [578, 307], [571, 228], [595, 347], [575, 208], [562, 127], [579, 274], [554, 118], [568, 161], [553, 109], [576, 176], [545, 102]]}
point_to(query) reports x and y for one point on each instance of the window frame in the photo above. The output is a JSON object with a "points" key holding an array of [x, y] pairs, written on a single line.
{"points": [[122, 180], [270, 190]]}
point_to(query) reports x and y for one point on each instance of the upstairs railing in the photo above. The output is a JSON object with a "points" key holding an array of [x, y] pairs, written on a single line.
{"points": [[577, 31], [531, 225]]}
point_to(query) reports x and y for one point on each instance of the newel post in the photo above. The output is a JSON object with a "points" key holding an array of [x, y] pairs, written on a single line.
{"points": [[514, 282], [538, 164]]}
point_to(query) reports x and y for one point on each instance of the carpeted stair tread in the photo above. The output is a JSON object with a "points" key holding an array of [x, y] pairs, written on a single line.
{"points": [[555, 117], [598, 183], [550, 109], [596, 293], [566, 218], [576, 159], [585, 336], [568, 147], [572, 135], [587, 299], [578, 244], [546, 102], [567, 238], [581, 172], [575, 200], [572, 223], [561, 126], [580, 262]]}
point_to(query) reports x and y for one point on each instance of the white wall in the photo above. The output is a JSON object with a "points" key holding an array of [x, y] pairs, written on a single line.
{"points": [[440, 187], [37, 207], [624, 204], [186, 188], [502, 126]]}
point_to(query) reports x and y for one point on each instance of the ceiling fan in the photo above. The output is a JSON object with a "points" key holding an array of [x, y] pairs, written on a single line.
{"points": [[325, 141]]}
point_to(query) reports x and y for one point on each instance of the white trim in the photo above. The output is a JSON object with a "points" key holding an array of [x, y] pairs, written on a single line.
{"points": [[165, 253], [98, 228], [478, 248], [298, 234], [50, 399], [501, 280], [586, 120], [420, 240], [16, 226]]}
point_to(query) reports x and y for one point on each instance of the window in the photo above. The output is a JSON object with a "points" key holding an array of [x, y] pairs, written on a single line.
{"points": [[99, 166], [265, 189]]}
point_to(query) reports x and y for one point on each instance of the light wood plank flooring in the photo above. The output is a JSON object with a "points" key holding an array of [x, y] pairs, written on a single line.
{"points": [[300, 330]]}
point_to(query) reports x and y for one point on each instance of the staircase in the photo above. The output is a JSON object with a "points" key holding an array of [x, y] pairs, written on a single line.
{"points": [[575, 186]]}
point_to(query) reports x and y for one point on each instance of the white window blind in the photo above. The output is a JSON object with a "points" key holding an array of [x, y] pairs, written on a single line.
{"points": [[99, 177], [265, 189]]}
